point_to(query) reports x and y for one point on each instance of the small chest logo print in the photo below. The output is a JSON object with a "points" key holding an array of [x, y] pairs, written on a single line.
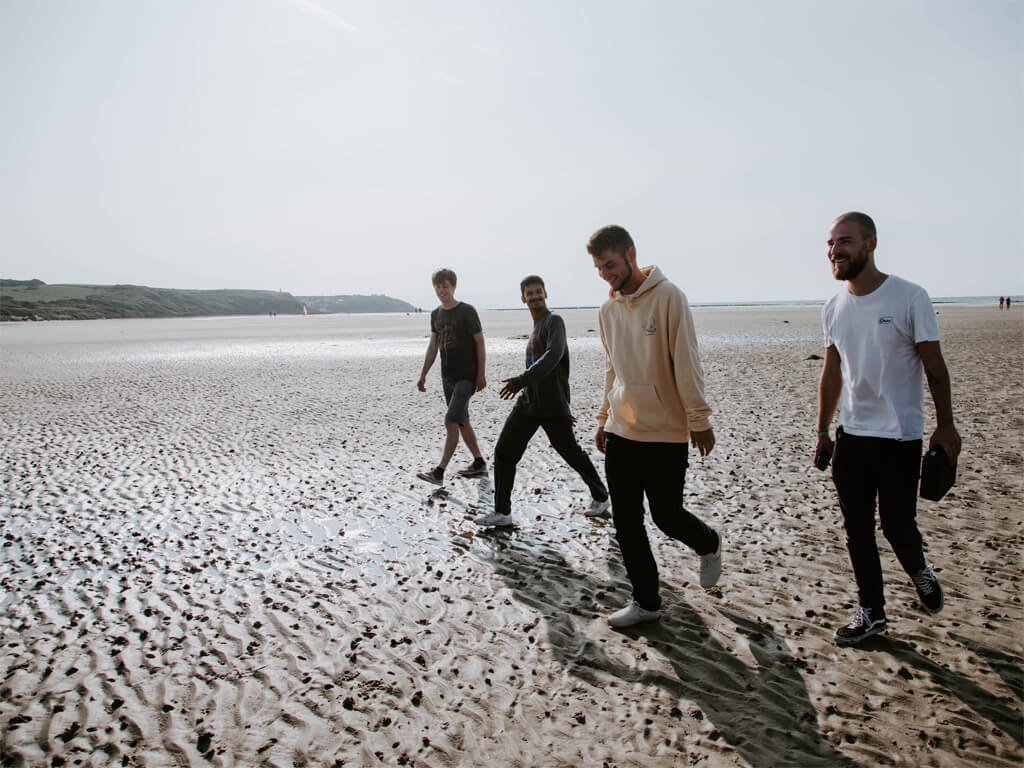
{"points": [[649, 328], [887, 320]]}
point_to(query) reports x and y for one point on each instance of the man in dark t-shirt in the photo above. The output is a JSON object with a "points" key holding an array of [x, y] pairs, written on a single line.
{"points": [[543, 404], [455, 331]]}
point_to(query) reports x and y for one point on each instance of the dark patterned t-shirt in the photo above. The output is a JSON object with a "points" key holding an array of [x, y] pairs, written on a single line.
{"points": [[455, 328]]}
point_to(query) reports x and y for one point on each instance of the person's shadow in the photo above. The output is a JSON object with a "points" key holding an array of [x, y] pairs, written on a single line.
{"points": [[986, 704], [759, 710], [1006, 666]]}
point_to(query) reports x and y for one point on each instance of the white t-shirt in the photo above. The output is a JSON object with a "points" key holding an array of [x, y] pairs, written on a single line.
{"points": [[883, 378]]}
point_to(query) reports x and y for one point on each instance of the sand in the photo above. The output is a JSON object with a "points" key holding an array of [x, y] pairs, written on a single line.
{"points": [[215, 552]]}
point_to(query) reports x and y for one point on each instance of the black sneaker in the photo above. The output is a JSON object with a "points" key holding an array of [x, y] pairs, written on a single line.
{"points": [[435, 476], [477, 469], [865, 623], [929, 590]]}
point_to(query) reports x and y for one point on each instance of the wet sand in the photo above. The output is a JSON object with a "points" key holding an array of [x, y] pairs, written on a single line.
{"points": [[215, 552]]}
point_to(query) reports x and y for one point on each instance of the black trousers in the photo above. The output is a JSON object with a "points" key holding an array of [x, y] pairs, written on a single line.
{"points": [[520, 426], [866, 468], [657, 471]]}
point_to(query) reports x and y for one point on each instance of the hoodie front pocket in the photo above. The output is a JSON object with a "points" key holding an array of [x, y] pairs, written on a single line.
{"points": [[638, 406]]}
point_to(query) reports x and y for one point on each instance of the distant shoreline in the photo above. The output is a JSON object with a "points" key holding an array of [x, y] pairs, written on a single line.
{"points": [[956, 301], [33, 300]]}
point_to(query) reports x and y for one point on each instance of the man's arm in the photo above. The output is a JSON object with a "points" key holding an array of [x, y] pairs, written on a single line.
{"points": [[689, 376], [600, 439], [428, 361], [829, 388], [935, 370], [481, 360], [543, 365]]}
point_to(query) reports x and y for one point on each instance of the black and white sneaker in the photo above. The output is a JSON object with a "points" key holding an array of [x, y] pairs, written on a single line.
{"points": [[435, 476], [865, 623], [929, 590], [477, 469]]}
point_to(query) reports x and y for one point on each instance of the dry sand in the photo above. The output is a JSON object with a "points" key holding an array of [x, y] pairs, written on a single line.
{"points": [[215, 552]]}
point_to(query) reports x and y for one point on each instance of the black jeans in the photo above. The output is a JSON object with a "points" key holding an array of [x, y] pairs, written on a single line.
{"points": [[657, 470], [520, 426], [864, 468]]}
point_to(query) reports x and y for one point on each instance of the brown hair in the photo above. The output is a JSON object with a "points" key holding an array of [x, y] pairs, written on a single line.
{"points": [[611, 237], [444, 274]]}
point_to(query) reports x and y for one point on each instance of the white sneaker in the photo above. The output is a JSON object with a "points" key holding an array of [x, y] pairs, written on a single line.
{"points": [[632, 614], [711, 566], [492, 519], [598, 508]]}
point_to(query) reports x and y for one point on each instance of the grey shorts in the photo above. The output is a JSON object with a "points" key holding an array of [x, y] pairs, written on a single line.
{"points": [[457, 394]]}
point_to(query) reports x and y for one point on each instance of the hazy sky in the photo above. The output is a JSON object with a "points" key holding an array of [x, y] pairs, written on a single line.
{"points": [[353, 146]]}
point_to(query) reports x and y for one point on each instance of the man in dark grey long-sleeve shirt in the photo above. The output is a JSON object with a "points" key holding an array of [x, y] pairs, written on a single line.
{"points": [[543, 404]]}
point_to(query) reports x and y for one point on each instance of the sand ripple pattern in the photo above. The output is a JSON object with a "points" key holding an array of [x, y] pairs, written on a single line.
{"points": [[217, 554]]}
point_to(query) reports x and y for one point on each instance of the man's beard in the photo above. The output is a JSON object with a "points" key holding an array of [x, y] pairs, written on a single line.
{"points": [[626, 279], [853, 268]]}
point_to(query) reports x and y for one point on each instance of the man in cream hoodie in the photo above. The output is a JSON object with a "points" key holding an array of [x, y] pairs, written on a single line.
{"points": [[653, 408]]}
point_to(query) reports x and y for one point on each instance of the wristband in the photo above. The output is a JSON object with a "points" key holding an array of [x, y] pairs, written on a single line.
{"points": [[822, 433]]}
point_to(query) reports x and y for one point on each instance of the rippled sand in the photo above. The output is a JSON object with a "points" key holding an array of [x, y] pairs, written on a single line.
{"points": [[215, 551]]}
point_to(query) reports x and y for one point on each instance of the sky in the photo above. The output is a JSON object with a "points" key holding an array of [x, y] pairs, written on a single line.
{"points": [[328, 147]]}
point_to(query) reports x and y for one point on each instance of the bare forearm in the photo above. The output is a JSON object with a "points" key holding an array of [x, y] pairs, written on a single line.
{"points": [[830, 387], [828, 401], [938, 381], [428, 360], [942, 395], [945, 434]]}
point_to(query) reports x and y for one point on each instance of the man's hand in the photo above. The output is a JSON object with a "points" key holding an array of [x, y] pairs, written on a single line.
{"points": [[949, 439], [481, 381], [823, 450], [421, 385], [509, 390], [600, 439], [703, 441]]}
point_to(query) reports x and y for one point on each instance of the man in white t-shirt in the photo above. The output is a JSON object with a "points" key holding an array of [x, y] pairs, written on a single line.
{"points": [[881, 340]]}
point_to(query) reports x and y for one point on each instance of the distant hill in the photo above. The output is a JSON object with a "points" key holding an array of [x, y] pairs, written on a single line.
{"points": [[35, 300], [376, 303]]}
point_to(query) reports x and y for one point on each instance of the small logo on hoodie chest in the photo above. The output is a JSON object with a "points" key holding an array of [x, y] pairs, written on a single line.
{"points": [[649, 327]]}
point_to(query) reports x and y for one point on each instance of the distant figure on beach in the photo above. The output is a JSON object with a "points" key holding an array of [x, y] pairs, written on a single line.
{"points": [[1007, 302], [543, 403], [653, 407], [880, 336], [455, 330], [1000, 302]]}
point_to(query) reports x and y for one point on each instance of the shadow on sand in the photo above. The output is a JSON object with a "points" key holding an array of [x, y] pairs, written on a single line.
{"points": [[761, 711], [1006, 666], [983, 702]]}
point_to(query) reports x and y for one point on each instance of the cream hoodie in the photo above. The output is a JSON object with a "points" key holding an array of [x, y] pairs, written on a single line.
{"points": [[654, 383]]}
